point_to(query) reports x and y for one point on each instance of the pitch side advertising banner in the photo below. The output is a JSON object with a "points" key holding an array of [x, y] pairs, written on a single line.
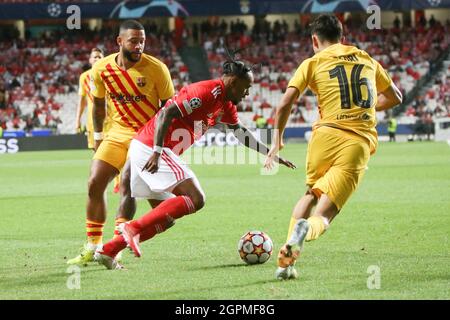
{"points": [[135, 10], [9, 146]]}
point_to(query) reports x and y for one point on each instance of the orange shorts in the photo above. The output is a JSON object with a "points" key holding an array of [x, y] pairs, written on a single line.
{"points": [[114, 147], [335, 163]]}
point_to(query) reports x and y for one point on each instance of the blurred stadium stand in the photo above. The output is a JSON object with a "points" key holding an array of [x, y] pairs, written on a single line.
{"points": [[41, 60]]}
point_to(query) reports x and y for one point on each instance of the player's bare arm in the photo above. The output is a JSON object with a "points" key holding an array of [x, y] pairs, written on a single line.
{"points": [[281, 117], [162, 126], [98, 117], [82, 103], [389, 98], [247, 139]]}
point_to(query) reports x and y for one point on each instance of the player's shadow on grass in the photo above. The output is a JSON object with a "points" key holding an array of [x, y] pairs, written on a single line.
{"points": [[40, 279], [221, 266], [35, 280], [31, 267]]}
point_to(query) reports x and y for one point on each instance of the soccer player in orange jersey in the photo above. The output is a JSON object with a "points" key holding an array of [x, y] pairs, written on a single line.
{"points": [[86, 98], [350, 87], [135, 85]]}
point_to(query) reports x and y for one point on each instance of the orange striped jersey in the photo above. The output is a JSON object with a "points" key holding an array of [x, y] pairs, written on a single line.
{"points": [[346, 81], [134, 94], [84, 91]]}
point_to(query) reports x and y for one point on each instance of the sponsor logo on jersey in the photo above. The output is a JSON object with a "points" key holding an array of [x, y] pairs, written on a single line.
{"points": [[141, 82], [125, 98]]}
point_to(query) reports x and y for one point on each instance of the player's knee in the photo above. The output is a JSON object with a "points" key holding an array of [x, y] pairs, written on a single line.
{"points": [[310, 195], [309, 192], [125, 176], [96, 187], [198, 200], [125, 187]]}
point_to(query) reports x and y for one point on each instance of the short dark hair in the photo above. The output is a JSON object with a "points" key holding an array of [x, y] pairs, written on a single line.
{"points": [[236, 68], [327, 27], [131, 24], [97, 50]]}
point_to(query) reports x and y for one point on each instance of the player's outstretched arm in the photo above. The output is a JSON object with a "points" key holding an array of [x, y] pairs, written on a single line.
{"points": [[248, 139], [80, 109], [389, 98], [281, 117], [163, 123], [98, 117]]}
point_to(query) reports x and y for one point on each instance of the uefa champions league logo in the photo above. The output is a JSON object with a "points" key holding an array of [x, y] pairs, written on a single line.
{"points": [[121, 11], [195, 103], [54, 10], [434, 3], [315, 6]]}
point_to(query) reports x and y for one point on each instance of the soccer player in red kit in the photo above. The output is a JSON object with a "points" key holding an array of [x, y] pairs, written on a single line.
{"points": [[154, 154]]}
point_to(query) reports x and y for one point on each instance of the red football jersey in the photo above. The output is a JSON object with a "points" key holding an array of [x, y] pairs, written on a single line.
{"points": [[202, 105]]}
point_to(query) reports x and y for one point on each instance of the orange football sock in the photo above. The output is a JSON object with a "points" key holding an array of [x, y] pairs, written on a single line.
{"points": [[94, 231], [317, 226], [116, 229]]}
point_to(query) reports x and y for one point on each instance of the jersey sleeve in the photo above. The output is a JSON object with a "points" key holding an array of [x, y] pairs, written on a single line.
{"points": [[81, 88], [302, 76], [193, 98], [382, 78], [97, 86], [164, 84], [230, 114]]}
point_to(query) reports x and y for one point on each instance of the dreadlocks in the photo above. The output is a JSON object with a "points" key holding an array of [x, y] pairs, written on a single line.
{"points": [[233, 67]]}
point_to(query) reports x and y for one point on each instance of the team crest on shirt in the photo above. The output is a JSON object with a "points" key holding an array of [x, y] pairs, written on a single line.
{"points": [[195, 103], [141, 81]]}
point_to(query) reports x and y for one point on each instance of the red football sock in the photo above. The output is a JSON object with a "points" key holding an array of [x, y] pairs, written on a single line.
{"points": [[162, 217], [155, 221], [113, 247]]}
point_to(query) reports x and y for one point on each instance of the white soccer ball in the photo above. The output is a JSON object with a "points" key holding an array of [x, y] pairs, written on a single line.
{"points": [[255, 247]]}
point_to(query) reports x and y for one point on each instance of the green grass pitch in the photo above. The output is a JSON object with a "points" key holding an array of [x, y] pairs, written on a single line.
{"points": [[398, 221]]}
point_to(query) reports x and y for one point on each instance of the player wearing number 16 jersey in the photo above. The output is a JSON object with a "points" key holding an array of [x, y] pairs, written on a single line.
{"points": [[350, 87]]}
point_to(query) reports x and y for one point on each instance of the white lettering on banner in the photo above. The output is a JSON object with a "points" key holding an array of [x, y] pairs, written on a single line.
{"points": [[220, 139], [9, 146], [209, 139], [231, 140]]}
